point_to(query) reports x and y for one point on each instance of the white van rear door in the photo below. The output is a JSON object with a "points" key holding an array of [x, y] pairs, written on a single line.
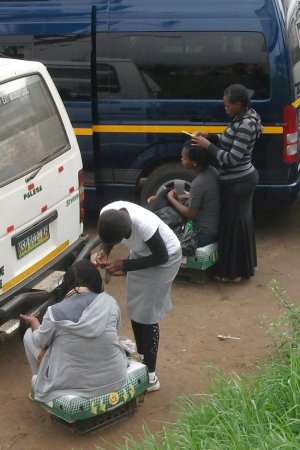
{"points": [[39, 167]]}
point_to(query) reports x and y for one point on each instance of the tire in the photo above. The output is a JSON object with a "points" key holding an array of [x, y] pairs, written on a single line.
{"points": [[172, 176]]}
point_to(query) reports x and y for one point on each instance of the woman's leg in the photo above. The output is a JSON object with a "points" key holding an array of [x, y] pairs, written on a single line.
{"points": [[31, 350], [237, 250], [147, 340], [137, 329]]}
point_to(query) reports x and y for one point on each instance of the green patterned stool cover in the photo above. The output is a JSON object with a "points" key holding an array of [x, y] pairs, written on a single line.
{"points": [[204, 258], [72, 408]]}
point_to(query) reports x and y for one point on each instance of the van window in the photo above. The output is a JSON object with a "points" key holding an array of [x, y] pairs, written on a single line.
{"points": [[67, 59], [293, 32], [16, 47], [73, 80], [30, 127], [184, 65], [107, 78]]}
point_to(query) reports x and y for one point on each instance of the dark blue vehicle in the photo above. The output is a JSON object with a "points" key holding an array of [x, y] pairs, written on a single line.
{"points": [[133, 74]]}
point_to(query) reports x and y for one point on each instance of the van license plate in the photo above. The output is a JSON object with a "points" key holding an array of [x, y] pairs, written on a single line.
{"points": [[32, 241]]}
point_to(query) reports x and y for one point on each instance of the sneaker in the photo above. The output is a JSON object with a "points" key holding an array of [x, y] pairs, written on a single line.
{"points": [[154, 385]]}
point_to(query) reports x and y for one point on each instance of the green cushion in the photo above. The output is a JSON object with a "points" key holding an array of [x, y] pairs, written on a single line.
{"points": [[73, 407], [204, 258]]}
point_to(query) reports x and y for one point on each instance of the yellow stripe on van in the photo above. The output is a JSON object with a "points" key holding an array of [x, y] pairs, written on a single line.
{"points": [[296, 103], [35, 267], [170, 129], [160, 129], [83, 131]]}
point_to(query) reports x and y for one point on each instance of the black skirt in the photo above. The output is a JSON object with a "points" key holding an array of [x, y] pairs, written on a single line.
{"points": [[237, 247]]}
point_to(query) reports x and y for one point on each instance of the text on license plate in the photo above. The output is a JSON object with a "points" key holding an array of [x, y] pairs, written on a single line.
{"points": [[32, 241]]}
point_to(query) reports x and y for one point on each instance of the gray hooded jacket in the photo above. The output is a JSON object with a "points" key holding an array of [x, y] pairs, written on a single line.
{"points": [[84, 356]]}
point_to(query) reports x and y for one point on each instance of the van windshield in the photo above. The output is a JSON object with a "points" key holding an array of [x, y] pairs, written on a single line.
{"points": [[30, 127]]}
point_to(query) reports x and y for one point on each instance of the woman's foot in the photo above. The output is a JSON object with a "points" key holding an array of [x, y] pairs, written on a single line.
{"points": [[154, 385], [234, 280], [220, 279], [227, 280]]}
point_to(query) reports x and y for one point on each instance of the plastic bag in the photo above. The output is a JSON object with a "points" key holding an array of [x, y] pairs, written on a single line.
{"points": [[171, 217], [128, 344], [188, 239]]}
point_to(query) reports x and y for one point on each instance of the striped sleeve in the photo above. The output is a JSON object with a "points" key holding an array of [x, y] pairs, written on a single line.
{"points": [[238, 139]]}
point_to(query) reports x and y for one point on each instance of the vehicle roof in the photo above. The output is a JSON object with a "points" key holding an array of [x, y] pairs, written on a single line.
{"points": [[134, 7], [74, 16], [10, 68]]}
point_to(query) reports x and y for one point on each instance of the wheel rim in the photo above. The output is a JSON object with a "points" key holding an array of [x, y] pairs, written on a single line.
{"points": [[180, 186]]}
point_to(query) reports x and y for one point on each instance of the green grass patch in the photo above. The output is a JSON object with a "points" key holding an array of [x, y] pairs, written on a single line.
{"points": [[244, 413]]}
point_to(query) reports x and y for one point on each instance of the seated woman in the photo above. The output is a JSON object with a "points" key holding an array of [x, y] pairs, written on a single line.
{"points": [[202, 203], [83, 355]]}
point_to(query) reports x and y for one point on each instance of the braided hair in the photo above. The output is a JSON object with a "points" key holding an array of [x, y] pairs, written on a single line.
{"points": [[81, 274], [197, 154], [238, 93]]}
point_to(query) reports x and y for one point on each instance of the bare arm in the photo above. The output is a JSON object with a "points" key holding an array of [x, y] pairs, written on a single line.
{"points": [[32, 321], [187, 211]]}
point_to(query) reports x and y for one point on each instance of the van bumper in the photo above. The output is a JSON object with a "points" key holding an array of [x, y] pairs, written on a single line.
{"points": [[276, 196], [27, 300]]}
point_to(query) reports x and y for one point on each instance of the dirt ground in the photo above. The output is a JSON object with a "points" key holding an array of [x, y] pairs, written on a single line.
{"points": [[188, 345]]}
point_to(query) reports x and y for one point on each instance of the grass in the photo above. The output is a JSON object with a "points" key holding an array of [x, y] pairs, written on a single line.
{"points": [[243, 413]]}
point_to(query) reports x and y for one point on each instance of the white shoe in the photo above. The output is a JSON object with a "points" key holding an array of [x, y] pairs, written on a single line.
{"points": [[154, 385]]}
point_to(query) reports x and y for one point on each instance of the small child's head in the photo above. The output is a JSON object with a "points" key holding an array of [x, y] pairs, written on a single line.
{"points": [[194, 157], [113, 226], [81, 274]]}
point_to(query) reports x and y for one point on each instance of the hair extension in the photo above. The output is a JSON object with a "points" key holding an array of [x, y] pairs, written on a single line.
{"points": [[80, 274]]}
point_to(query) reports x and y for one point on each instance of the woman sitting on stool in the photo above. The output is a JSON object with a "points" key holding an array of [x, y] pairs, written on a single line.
{"points": [[203, 200], [83, 355]]}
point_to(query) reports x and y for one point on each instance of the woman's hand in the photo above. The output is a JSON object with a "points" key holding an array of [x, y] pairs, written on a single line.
{"points": [[101, 258], [171, 195], [32, 321], [151, 198], [200, 133], [200, 141], [114, 266]]}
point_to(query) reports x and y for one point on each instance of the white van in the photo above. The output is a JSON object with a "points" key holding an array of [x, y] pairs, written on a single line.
{"points": [[41, 191]]}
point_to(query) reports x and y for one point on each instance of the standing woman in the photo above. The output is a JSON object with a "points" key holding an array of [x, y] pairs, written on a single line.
{"points": [[154, 260], [239, 178]]}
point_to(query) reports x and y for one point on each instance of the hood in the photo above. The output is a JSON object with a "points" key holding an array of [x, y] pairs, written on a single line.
{"points": [[92, 321]]}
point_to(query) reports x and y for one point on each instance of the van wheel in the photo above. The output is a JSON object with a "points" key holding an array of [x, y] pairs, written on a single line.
{"points": [[168, 176]]}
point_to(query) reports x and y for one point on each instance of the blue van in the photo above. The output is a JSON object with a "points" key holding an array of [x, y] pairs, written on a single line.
{"points": [[134, 74]]}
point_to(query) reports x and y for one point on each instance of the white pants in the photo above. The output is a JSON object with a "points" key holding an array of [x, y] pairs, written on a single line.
{"points": [[31, 350]]}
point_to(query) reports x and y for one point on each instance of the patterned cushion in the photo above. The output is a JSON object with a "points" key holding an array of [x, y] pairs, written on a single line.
{"points": [[204, 258], [73, 407]]}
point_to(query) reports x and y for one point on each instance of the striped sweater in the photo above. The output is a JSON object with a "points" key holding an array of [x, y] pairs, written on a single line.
{"points": [[233, 149]]}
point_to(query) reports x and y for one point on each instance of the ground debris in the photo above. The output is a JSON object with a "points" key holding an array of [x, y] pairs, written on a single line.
{"points": [[222, 337]]}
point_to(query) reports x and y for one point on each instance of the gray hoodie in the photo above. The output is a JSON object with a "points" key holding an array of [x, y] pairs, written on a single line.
{"points": [[84, 355]]}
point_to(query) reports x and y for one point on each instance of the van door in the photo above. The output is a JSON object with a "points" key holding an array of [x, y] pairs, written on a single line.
{"points": [[39, 169], [41, 192], [161, 78]]}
